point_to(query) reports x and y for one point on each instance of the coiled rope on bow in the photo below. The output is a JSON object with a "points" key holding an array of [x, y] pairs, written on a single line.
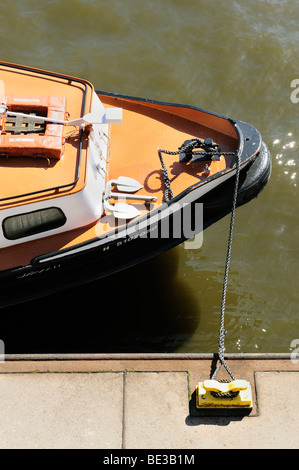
{"points": [[209, 150]]}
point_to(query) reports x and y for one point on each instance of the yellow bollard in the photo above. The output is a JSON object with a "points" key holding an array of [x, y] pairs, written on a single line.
{"points": [[211, 394]]}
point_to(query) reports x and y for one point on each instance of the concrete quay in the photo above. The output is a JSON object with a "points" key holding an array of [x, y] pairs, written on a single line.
{"points": [[142, 401]]}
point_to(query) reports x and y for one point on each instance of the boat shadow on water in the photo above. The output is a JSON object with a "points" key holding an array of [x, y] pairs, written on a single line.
{"points": [[144, 309]]}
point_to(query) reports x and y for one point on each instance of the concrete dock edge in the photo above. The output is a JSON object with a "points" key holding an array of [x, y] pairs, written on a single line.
{"points": [[142, 401]]}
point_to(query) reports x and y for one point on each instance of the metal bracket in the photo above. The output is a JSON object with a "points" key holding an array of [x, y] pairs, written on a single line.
{"points": [[123, 210]]}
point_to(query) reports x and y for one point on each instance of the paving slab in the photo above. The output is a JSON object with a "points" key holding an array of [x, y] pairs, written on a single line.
{"points": [[61, 410], [156, 406]]}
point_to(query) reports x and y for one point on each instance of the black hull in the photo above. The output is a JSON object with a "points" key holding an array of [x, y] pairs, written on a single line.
{"points": [[47, 275]]}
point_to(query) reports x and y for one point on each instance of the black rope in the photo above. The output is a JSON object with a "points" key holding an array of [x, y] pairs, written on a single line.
{"points": [[210, 150], [168, 194], [225, 394]]}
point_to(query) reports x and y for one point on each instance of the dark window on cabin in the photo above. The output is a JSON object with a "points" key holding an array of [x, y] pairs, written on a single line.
{"points": [[30, 223]]}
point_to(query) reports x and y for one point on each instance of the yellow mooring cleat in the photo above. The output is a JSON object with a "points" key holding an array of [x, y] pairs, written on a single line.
{"points": [[211, 394]]}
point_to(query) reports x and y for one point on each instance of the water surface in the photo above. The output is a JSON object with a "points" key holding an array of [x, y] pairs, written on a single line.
{"points": [[233, 57]]}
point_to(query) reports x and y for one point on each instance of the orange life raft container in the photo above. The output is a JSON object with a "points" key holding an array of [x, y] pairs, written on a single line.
{"points": [[48, 144]]}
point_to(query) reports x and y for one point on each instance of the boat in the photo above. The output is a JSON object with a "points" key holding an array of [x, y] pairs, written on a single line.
{"points": [[93, 182]]}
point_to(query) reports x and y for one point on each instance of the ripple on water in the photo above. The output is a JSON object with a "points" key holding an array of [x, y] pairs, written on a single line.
{"points": [[287, 157]]}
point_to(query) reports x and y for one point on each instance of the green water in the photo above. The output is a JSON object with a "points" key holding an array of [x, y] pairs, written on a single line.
{"points": [[233, 57]]}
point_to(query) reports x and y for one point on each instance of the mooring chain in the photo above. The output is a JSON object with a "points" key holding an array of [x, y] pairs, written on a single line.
{"points": [[223, 331]]}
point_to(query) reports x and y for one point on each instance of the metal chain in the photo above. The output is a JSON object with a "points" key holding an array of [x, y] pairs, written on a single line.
{"points": [[223, 331]]}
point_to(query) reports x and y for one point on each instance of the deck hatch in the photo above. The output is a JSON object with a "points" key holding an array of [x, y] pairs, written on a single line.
{"points": [[31, 223]]}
